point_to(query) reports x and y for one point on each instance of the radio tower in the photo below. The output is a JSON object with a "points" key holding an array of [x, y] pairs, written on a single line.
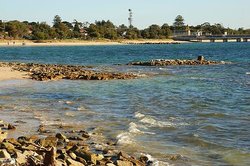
{"points": [[130, 19]]}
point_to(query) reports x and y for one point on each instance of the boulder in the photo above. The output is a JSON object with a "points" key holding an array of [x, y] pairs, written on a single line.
{"points": [[20, 158], [4, 154], [49, 142], [71, 162], [123, 163], [200, 58], [3, 135]]}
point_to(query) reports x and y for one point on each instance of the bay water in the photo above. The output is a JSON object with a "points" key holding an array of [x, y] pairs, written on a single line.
{"points": [[201, 113]]}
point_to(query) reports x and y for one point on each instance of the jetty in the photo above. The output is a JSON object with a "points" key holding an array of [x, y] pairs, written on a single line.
{"points": [[213, 38]]}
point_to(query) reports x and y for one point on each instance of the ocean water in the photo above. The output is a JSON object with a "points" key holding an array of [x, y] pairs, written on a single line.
{"points": [[201, 113]]}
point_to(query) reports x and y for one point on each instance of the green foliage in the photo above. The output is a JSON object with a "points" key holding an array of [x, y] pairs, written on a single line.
{"points": [[179, 23], [104, 30], [16, 29]]}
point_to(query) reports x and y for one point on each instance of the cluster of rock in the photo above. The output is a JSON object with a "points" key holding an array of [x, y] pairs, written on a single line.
{"points": [[61, 150], [166, 62], [151, 43], [43, 72]]}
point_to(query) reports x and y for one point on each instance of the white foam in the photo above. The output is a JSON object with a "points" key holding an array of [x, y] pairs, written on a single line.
{"points": [[124, 138], [133, 128], [69, 102], [247, 73], [81, 108], [154, 161], [139, 115], [70, 114], [151, 121]]}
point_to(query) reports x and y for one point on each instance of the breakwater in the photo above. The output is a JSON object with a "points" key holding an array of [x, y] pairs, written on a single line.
{"points": [[166, 62], [43, 72]]}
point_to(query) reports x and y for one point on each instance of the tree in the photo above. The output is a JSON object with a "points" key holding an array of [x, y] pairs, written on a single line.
{"points": [[122, 30], [62, 28], [16, 29], [57, 20], [165, 31], [179, 23], [154, 31]]}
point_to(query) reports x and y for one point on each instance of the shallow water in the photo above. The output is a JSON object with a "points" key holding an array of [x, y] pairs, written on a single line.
{"points": [[199, 112]]}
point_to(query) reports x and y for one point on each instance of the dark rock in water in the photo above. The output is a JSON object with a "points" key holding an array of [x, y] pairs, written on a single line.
{"points": [[165, 62], [11, 127], [200, 58], [41, 129]]}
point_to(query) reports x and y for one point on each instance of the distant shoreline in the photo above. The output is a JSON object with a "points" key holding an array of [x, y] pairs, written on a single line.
{"points": [[12, 43]]}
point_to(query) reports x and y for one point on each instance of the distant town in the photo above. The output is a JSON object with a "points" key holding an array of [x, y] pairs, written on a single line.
{"points": [[75, 29]]}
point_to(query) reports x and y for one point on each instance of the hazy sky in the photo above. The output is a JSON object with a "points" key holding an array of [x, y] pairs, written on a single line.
{"points": [[230, 13]]}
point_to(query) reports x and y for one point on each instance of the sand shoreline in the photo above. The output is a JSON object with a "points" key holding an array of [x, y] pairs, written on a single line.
{"points": [[11, 43], [6, 73]]}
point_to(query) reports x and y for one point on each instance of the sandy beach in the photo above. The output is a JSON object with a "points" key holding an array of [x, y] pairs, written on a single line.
{"points": [[12, 43], [6, 73]]}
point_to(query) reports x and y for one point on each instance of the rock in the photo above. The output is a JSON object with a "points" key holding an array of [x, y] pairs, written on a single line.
{"points": [[123, 163], [4, 154], [61, 137], [85, 135], [200, 58], [123, 155], [50, 157], [60, 162], [8, 162], [22, 140], [81, 160], [76, 138], [165, 62], [3, 135], [20, 158], [144, 159], [90, 157], [49, 142], [71, 162], [13, 141], [72, 155], [41, 129], [8, 146], [110, 164], [30, 148], [11, 127]]}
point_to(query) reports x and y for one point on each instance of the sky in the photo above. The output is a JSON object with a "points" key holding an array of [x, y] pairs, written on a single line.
{"points": [[230, 13]]}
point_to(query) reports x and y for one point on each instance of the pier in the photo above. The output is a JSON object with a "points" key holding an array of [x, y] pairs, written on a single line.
{"points": [[213, 38]]}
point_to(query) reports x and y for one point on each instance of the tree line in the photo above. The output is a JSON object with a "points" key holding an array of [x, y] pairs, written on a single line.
{"points": [[105, 30]]}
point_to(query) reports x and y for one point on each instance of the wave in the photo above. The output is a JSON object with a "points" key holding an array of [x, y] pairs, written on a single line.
{"points": [[156, 123], [153, 161], [125, 138], [247, 73]]}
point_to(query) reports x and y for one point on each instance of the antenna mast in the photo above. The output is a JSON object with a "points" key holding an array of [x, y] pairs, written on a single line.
{"points": [[130, 18]]}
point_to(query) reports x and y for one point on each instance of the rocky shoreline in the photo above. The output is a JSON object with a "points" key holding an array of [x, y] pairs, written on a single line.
{"points": [[43, 72], [166, 62], [67, 148]]}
